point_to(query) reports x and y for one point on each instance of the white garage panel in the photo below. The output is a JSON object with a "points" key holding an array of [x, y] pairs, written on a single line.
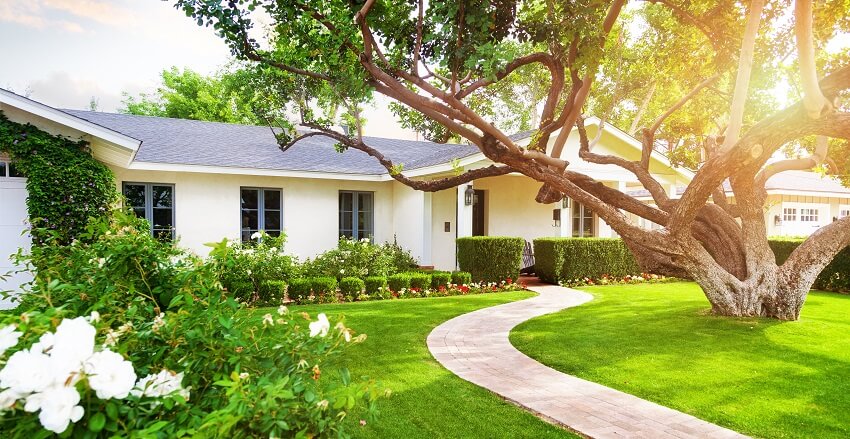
{"points": [[13, 214]]}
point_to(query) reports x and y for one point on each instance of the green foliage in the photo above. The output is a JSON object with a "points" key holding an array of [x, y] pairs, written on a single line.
{"points": [[324, 289], [351, 287], [461, 277], [272, 292], [66, 186], [164, 310], [440, 279], [834, 277], [565, 259], [420, 281], [244, 267], [399, 281], [299, 290], [374, 284], [490, 258], [360, 258]]}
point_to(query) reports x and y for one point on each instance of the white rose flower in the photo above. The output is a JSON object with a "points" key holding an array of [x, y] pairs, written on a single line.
{"points": [[73, 343], [8, 337], [44, 343], [281, 310], [268, 320], [94, 317], [161, 384], [110, 375], [320, 327], [27, 372], [8, 398], [257, 235], [59, 408], [158, 322]]}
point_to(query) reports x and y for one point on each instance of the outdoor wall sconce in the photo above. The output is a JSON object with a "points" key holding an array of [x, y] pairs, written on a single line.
{"points": [[565, 203], [556, 217], [777, 220], [468, 195]]}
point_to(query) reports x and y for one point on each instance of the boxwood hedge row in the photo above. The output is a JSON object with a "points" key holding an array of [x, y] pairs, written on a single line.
{"points": [[490, 258], [836, 275], [561, 259]]}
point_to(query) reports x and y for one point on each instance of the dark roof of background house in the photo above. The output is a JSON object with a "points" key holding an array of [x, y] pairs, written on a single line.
{"points": [[192, 142], [788, 181]]}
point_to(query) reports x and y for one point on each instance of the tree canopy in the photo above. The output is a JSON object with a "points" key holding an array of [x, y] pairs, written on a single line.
{"points": [[696, 79]]}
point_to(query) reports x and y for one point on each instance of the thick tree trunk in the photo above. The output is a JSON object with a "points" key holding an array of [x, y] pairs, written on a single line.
{"points": [[767, 296]]}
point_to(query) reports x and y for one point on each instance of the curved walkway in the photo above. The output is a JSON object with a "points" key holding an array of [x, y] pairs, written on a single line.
{"points": [[475, 347]]}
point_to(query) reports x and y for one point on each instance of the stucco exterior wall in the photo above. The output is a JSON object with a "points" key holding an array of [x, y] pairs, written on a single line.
{"points": [[828, 209], [207, 207], [512, 211], [443, 210]]}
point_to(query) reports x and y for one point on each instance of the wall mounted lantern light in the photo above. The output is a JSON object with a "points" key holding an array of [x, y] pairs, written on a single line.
{"points": [[468, 195], [777, 220], [565, 203]]}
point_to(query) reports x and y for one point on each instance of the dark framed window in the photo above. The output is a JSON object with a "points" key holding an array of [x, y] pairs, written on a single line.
{"points": [[261, 209], [356, 214], [8, 169], [155, 203]]}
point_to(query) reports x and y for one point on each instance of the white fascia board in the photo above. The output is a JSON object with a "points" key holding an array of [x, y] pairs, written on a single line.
{"points": [[169, 167], [60, 117], [445, 167], [823, 194]]}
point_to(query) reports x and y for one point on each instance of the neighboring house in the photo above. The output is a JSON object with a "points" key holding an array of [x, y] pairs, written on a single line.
{"points": [[202, 181], [798, 203]]}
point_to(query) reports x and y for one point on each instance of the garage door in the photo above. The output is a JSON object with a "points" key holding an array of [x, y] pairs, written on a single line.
{"points": [[13, 214]]}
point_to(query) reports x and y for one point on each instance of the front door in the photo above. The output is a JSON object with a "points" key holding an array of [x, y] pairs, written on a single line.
{"points": [[478, 206]]}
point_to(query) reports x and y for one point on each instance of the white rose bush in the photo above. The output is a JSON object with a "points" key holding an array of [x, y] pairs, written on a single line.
{"points": [[124, 336]]}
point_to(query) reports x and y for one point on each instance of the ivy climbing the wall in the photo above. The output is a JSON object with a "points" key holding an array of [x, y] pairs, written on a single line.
{"points": [[66, 184]]}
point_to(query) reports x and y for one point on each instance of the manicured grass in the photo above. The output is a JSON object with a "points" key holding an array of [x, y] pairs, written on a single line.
{"points": [[761, 377], [427, 401]]}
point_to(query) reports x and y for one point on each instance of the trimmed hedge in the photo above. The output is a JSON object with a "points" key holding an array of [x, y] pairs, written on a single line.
{"points": [[271, 291], [834, 277], [398, 281], [242, 291], [440, 279], [420, 281], [461, 278], [374, 284], [490, 258], [299, 290], [351, 287], [563, 259]]}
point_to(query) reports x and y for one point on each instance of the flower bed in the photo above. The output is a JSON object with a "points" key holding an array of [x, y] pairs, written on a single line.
{"points": [[616, 280]]}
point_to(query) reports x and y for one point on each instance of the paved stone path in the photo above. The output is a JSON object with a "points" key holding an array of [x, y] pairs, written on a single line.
{"points": [[475, 347]]}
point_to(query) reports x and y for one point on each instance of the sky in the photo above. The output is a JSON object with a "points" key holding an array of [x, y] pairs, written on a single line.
{"points": [[63, 53]]}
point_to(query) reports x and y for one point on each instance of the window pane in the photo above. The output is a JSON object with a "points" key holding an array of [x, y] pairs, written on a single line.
{"points": [[364, 202], [250, 220], [14, 172], [346, 201], [162, 218], [162, 196], [364, 223], [246, 234], [135, 194], [139, 211], [272, 218], [346, 233], [273, 232], [346, 221], [249, 198], [272, 199], [588, 226], [2, 169], [576, 226]]}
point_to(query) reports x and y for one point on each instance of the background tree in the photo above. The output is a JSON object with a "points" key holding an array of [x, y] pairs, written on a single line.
{"points": [[697, 75]]}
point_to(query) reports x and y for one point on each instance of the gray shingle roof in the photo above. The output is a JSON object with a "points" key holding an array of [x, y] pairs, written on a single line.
{"points": [[192, 142], [784, 181]]}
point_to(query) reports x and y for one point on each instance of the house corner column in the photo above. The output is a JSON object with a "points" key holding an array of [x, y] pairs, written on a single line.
{"points": [[464, 213], [426, 229], [566, 218]]}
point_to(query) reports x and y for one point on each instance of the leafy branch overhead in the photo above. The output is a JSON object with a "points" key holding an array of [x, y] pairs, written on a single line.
{"points": [[693, 79]]}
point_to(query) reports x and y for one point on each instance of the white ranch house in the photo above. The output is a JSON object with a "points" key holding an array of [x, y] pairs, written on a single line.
{"points": [[203, 181]]}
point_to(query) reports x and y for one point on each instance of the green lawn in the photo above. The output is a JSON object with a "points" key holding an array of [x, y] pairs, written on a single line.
{"points": [[760, 377], [427, 401]]}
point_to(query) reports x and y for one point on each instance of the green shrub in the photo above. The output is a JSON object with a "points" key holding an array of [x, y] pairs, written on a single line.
{"points": [[440, 279], [834, 277], [255, 262], [351, 287], [461, 278], [324, 288], [565, 259], [374, 284], [398, 281], [299, 290], [420, 281], [353, 258], [271, 292], [162, 313], [242, 291], [490, 258]]}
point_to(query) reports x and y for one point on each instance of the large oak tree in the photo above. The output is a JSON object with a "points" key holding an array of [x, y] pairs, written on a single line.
{"points": [[693, 74]]}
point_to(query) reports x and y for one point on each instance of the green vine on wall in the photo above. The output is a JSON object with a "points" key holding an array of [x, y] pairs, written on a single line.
{"points": [[66, 185]]}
